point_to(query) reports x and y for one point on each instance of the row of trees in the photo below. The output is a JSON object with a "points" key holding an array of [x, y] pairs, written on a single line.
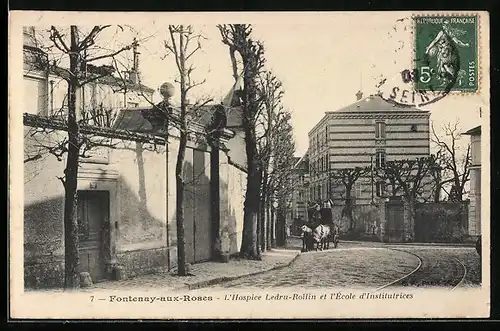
{"points": [[266, 124], [446, 172], [269, 143]]}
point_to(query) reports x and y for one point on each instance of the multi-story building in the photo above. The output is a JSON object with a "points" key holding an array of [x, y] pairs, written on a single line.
{"points": [[125, 194], [300, 195], [475, 182], [367, 133], [46, 91]]}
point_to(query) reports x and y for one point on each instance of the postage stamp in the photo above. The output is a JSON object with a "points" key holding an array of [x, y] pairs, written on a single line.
{"points": [[293, 165], [446, 53]]}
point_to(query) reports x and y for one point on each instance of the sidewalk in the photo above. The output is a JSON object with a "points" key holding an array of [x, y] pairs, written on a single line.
{"points": [[204, 274]]}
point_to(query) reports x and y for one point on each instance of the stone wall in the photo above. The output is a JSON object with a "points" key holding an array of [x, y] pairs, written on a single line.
{"points": [[142, 195], [434, 222]]}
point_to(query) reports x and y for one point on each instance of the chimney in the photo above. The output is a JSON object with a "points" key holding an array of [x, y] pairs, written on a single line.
{"points": [[359, 95], [134, 73]]}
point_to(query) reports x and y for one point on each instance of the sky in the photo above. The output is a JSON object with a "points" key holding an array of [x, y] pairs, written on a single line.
{"points": [[322, 63]]}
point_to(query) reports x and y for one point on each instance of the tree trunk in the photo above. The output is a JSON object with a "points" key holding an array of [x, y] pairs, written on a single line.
{"points": [[259, 228], [273, 227], [179, 173], [179, 204], [280, 225], [268, 223], [263, 228], [71, 277], [347, 212], [249, 249]]}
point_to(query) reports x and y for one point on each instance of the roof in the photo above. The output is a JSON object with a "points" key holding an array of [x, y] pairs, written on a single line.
{"points": [[136, 119], [474, 131], [116, 81], [41, 56], [375, 103]]}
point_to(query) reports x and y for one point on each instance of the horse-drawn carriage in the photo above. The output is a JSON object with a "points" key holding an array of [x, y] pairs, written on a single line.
{"points": [[320, 228]]}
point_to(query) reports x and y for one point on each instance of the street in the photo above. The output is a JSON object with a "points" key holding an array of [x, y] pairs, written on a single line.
{"points": [[372, 265]]}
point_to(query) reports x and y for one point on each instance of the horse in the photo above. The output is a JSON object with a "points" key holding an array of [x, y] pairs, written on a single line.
{"points": [[321, 235]]}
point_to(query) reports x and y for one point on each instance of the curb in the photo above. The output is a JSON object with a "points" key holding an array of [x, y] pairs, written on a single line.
{"points": [[431, 244], [219, 280], [409, 243]]}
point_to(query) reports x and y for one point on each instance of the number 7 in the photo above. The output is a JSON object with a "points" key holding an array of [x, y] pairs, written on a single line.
{"points": [[91, 298]]}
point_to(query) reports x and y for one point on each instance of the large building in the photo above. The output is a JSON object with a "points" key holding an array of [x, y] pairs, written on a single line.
{"points": [[367, 133], [126, 194], [45, 91], [300, 195], [475, 182]]}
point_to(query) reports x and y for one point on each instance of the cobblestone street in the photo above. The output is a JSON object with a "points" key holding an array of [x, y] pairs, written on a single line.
{"points": [[371, 265]]}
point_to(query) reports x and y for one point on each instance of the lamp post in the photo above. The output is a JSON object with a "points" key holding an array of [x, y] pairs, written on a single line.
{"points": [[273, 223], [372, 202]]}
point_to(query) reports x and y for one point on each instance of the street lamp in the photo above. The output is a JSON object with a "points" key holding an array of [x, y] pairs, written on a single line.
{"points": [[372, 202]]}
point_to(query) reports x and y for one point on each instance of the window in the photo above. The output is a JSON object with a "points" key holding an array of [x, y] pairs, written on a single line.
{"points": [[358, 190], [35, 91], [132, 104], [380, 188], [380, 130], [414, 128], [380, 159]]}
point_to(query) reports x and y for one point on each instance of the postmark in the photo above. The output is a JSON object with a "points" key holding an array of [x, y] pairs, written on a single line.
{"points": [[446, 53]]}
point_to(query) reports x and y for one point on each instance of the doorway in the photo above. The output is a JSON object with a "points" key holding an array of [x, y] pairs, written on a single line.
{"points": [[93, 232]]}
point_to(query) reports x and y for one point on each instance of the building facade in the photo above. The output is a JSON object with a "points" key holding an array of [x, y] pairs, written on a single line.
{"points": [[126, 194], [367, 133], [300, 196], [475, 182], [45, 90]]}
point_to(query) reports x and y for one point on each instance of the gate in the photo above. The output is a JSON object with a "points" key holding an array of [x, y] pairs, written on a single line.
{"points": [[197, 204], [394, 214]]}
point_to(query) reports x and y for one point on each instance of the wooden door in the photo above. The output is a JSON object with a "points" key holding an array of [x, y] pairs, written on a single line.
{"points": [[93, 220]]}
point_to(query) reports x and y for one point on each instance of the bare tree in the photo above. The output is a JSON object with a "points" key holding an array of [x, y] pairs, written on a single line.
{"points": [[268, 126], [453, 160], [238, 39], [80, 51], [410, 176], [347, 178], [280, 185], [183, 43]]}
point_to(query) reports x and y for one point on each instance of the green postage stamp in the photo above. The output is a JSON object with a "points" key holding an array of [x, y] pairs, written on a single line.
{"points": [[446, 53]]}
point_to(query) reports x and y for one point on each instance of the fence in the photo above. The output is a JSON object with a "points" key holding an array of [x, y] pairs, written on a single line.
{"points": [[442, 222]]}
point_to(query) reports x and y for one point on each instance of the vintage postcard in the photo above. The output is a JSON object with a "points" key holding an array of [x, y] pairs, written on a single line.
{"points": [[249, 165]]}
